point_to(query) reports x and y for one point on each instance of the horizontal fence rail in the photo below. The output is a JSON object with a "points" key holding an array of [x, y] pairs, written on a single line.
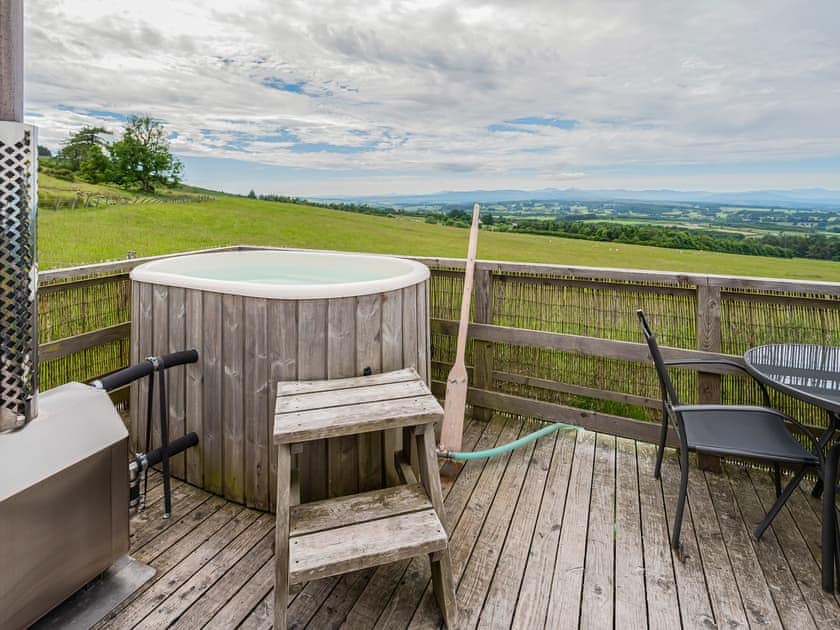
{"points": [[555, 342]]}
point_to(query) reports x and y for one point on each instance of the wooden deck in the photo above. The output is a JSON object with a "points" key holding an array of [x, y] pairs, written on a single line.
{"points": [[569, 532]]}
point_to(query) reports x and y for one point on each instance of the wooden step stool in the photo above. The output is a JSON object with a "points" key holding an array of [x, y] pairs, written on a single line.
{"points": [[324, 538]]}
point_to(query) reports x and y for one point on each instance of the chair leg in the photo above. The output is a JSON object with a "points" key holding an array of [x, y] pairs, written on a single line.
{"points": [[678, 518], [663, 436], [777, 479], [777, 506], [817, 490], [836, 552]]}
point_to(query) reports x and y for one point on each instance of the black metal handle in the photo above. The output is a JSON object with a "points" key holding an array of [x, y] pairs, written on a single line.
{"points": [[178, 358], [144, 368], [124, 376], [153, 458]]}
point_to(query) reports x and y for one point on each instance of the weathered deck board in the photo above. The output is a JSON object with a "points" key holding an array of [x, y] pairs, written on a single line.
{"points": [[629, 557], [755, 594], [512, 562], [247, 598], [790, 603], [206, 603], [566, 587], [599, 576], [416, 584], [695, 607], [202, 582], [532, 606], [723, 589], [462, 540], [532, 547], [823, 606], [484, 558], [165, 582], [660, 584]]}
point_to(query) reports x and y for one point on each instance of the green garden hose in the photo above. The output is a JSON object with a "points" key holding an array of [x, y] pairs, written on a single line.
{"points": [[504, 448]]}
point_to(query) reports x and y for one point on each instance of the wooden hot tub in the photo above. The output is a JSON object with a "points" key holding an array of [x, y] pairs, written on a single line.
{"points": [[259, 317]]}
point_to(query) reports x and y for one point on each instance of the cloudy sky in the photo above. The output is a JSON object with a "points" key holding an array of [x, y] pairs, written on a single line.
{"points": [[329, 97]]}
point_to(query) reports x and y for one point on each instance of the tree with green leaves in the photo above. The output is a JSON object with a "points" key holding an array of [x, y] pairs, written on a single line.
{"points": [[96, 167], [77, 146], [142, 156]]}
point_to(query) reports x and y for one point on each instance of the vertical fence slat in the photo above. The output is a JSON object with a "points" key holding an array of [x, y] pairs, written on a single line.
{"points": [[175, 376], [312, 365], [483, 350], [160, 346], [256, 414], [343, 452], [392, 353], [233, 425], [282, 366], [369, 356], [212, 404], [195, 384]]}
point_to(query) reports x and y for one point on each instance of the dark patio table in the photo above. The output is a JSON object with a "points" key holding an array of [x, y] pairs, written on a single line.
{"points": [[809, 373]]}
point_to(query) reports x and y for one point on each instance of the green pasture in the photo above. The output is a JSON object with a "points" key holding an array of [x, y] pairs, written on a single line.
{"points": [[84, 235]]}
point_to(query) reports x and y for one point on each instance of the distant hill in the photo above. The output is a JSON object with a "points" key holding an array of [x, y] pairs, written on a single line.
{"points": [[798, 198]]}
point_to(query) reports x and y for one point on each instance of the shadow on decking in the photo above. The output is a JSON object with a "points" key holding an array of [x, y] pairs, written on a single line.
{"points": [[569, 531]]}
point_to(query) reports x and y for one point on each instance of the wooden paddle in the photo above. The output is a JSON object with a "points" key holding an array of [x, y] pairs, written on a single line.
{"points": [[456, 383]]}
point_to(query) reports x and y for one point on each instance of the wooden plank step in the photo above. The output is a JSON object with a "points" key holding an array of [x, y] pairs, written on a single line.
{"points": [[303, 426], [362, 545], [288, 388], [354, 396], [317, 516]]}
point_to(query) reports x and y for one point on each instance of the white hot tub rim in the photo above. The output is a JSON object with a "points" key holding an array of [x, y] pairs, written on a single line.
{"points": [[165, 272]]}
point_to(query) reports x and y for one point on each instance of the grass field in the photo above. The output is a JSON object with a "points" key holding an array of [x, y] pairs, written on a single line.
{"points": [[85, 235]]}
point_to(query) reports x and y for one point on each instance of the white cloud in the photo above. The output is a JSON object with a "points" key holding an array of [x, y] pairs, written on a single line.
{"points": [[417, 86]]}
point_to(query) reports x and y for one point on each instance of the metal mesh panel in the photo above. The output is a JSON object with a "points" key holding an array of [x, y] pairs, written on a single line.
{"points": [[18, 275]]}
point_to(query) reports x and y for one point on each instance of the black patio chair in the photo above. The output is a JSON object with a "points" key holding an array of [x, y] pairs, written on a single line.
{"points": [[729, 430]]}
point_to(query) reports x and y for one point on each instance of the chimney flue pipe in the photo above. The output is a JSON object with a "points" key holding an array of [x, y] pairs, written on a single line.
{"points": [[18, 213]]}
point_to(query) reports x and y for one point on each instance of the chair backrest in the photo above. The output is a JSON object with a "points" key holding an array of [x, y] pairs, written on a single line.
{"points": [[669, 393]]}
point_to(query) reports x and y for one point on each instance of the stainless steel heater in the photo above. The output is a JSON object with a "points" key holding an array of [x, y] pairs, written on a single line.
{"points": [[63, 501]]}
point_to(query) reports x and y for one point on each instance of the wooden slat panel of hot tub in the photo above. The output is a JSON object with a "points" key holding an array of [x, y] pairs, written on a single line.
{"points": [[246, 346]]}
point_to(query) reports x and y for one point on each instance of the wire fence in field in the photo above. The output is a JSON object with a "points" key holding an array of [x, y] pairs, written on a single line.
{"points": [[49, 201]]}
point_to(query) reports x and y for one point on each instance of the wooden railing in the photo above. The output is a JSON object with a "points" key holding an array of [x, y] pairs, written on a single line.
{"points": [[549, 341], [564, 343]]}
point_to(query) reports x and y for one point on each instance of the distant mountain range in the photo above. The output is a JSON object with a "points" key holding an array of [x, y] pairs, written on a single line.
{"points": [[799, 198]]}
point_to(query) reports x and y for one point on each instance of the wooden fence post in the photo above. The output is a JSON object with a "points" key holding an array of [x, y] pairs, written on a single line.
{"points": [[708, 339], [483, 350]]}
